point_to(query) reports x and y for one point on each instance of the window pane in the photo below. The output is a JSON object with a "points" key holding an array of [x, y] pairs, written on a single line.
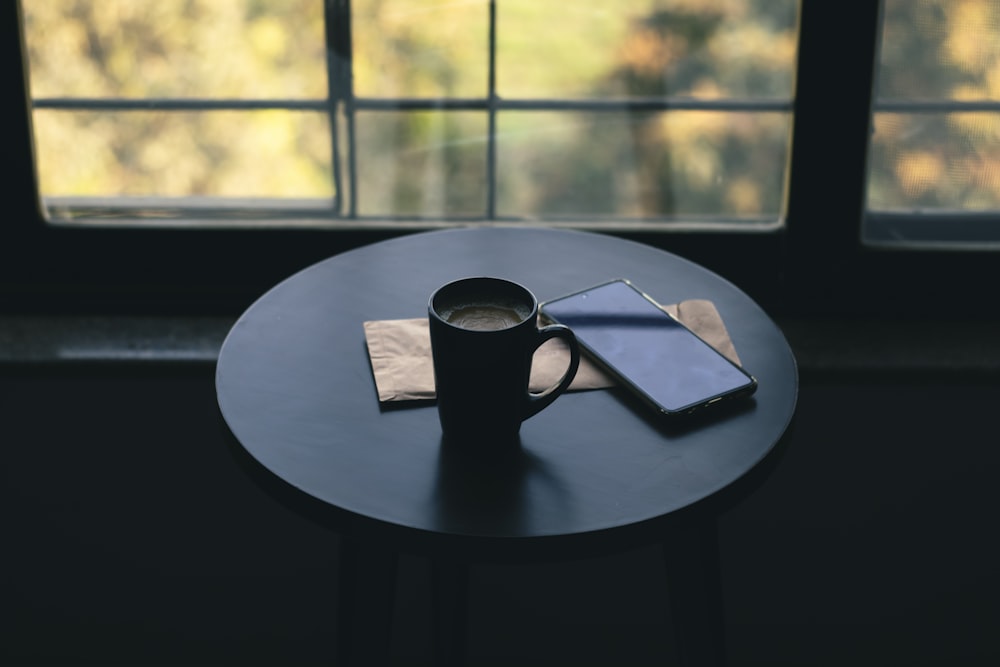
{"points": [[420, 48], [176, 48], [935, 146], [182, 154], [620, 48], [939, 49], [684, 163], [425, 164], [935, 161]]}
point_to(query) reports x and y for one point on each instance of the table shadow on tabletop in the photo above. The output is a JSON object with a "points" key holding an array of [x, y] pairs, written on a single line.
{"points": [[492, 484]]}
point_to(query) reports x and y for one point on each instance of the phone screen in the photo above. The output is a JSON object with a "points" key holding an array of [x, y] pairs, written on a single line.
{"points": [[659, 357]]}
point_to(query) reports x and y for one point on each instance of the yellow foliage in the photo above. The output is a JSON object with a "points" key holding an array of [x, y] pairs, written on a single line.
{"points": [[735, 43], [919, 171], [980, 128], [992, 80], [971, 42], [966, 91], [269, 37], [648, 53], [743, 195]]}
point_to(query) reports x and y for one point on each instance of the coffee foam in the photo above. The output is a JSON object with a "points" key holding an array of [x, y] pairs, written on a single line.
{"points": [[480, 310]]}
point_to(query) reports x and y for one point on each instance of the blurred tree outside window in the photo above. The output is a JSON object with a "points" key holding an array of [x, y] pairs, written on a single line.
{"points": [[135, 50], [603, 113]]}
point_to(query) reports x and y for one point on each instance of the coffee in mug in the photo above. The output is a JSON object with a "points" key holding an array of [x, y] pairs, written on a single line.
{"points": [[484, 332], [484, 316]]}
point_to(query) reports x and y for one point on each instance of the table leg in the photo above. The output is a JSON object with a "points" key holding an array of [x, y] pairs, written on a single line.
{"points": [[450, 593], [691, 555], [366, 599]]}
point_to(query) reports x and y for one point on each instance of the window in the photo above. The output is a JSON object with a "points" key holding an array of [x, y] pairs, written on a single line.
{"points": [[634, 114], [805, 212], [934, 162], [173, 110]]}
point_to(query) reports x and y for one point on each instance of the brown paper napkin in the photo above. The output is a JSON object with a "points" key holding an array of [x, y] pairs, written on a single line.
{"points": [[400, 353]]}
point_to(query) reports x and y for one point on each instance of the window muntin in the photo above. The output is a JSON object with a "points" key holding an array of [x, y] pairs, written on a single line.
{"points": [[415, 117]]}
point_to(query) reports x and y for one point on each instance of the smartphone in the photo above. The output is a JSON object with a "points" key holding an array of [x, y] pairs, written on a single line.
{"points": [[650, 352]]}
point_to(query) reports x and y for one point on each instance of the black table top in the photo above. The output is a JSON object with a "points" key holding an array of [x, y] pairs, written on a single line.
{"points": [[594, 469]]}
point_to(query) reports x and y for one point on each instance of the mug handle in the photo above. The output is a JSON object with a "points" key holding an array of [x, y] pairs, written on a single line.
{"points": [[537, 402]]}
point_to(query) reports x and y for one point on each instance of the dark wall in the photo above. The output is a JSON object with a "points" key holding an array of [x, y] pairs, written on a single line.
{"points": [[131, 534]]}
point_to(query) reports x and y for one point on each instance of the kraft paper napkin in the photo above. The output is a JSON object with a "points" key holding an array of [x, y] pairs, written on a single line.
{"points": [[400, 353]]}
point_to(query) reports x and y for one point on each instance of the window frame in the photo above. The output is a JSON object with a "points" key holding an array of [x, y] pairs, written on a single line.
{"points": [[816, 265]]}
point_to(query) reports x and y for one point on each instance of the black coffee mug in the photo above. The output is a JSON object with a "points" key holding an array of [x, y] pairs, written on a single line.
{"points": [[484, 332]]}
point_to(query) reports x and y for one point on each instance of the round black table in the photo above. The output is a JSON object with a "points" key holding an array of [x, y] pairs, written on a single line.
{"points": [[594, 473]]}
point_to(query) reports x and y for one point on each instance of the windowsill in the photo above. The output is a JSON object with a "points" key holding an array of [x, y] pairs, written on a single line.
{"points": [[820, 346], [56, 339], [893, 346]]}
